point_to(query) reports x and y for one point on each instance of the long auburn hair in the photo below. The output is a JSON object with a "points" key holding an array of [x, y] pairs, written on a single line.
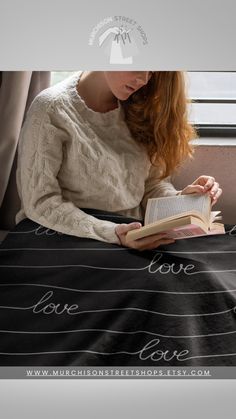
{"points": [[157, 118]]}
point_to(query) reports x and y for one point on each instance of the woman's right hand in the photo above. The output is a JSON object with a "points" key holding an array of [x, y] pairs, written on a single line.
{"points": [[146, 243]]}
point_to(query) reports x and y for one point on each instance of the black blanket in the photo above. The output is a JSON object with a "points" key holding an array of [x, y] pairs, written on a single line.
{"points": [[72, 301]]}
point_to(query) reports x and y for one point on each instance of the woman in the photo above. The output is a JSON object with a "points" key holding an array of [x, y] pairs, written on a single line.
{"points": [[107, 140]]}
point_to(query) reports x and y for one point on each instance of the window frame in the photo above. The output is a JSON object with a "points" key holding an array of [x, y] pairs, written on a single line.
{"points": [[214, 130]]}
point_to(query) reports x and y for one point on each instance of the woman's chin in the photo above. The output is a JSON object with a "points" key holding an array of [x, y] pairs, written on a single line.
{"points": [[124, 95]]}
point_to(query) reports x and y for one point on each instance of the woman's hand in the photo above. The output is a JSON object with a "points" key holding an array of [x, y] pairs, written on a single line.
{"points": [[146, 243], [204, 184]]}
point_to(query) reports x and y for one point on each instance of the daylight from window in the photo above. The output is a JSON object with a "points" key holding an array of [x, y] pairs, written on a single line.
{"points": [[209, 92]]}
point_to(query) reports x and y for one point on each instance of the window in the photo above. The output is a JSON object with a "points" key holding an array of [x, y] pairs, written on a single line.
{"points": [[213, 111], [57, 76]]}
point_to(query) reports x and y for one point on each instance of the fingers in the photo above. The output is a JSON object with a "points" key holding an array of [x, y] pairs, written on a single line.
{"points": [[209, 183], [211, 187], [192, 189], [214, 193], [151, 242], [145, 241], [124, 228], [218, 193], [215, 189], [215, 197], [205, 181]]}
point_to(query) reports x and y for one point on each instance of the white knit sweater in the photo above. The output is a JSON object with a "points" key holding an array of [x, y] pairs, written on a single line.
{"points": [[71, 157]]}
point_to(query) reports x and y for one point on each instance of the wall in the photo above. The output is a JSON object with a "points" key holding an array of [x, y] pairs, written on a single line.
{"points": [[217, 161]]}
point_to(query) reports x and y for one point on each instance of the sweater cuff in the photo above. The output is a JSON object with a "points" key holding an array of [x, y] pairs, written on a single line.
{"points": [[111, 235], [105, 231]]}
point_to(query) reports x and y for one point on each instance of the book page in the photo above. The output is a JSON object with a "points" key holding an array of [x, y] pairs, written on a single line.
{"points": [[160, 208], [215, 216]]}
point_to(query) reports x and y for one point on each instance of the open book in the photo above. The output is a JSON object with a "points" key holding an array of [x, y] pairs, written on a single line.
{"points": [[180, 216]]}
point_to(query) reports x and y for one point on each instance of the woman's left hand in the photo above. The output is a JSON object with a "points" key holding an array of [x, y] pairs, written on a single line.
{"points": [[204, 184]]}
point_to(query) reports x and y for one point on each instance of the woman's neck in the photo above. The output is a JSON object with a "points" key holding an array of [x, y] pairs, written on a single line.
{"points": [[93, 89]]}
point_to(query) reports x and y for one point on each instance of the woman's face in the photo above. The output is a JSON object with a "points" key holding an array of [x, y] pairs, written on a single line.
{"points": [[124, 83]]}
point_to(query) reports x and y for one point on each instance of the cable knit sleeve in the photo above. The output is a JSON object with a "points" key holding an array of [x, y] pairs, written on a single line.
{"points": [[154, 188], [40, 157]]}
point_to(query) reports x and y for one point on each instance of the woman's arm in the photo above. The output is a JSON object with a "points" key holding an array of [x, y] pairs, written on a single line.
{"points": [[40, 157], [154, 188]]}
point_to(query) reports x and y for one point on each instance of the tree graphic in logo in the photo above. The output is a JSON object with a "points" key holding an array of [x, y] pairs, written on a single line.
{"points": [[119, 44]]}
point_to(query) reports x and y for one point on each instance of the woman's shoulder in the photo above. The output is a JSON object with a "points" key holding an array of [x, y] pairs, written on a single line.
{"points": [[52, 97]]}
